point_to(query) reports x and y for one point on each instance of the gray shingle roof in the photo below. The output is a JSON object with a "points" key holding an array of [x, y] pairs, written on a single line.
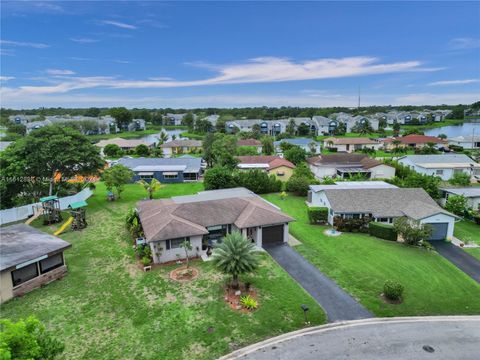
{"points": [[467, 192], [439, 159], [192, 164]]}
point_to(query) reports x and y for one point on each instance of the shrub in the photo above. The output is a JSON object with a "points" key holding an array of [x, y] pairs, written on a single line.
{"points": [[248, 302], [457, 204], [392, 290], [218, 177], [296, 155], [317, 215], [92, 186], [113, 150], [382, 231], [413, 232], [352, 225], [298, 185], [460, 178], [146, 261]]}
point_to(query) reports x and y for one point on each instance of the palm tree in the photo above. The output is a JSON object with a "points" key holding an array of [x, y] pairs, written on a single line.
{"points": [[150, 187], [234, 256]]}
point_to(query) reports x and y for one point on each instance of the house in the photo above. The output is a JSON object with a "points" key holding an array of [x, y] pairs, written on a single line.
{"points": [[413, 141], [351, 144], [384, 205], [344, 165], [472, 194], [257, 144], [175, 119], [124, 144], [304, 143], [281, 168], [30, 258], [325, 126], [351, 121], [137, 125], [22, 119], [444, 166], [172, 170], [212, 119], [467, 142], [205, 218], [180, 146], [269, 127]]}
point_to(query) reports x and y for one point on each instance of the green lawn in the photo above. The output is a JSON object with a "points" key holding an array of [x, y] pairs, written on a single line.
{"points": [[468, 231], [361, 264], [107, 308]]}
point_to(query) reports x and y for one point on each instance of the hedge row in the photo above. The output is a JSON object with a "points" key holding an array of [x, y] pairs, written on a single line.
{"points": [[382, 231], [317, 215]]}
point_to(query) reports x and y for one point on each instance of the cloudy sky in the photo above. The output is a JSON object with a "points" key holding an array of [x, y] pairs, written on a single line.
{"points": [[162, 54]]}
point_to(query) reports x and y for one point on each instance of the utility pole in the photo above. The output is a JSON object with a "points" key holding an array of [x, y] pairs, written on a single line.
{"points": [[358, 97], [473, 138]]}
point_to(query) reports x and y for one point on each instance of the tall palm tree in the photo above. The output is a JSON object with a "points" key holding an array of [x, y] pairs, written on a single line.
{"points": [[236, 255], [150, 187]]}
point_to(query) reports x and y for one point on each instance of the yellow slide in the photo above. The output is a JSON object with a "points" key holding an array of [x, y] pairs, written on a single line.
{"points": [[64, 226]]}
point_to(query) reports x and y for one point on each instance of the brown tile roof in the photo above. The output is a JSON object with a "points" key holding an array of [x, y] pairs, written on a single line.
{"points": [[181, 143], [272, 161], [249, 142], [353, 140], [416, 139], [123, 143], [344, 160], [165, 219]]}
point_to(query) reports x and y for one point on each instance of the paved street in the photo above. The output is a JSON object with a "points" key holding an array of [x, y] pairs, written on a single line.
{"points": [[375, 339], [335, 301]]}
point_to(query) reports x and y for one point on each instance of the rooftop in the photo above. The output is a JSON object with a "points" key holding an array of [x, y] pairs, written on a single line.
{"points": [[186, 164], [181, 143], [127, 143], [352, 140], [354, 185], [21, 243], [468, 192], [249, 142], [416, 139], [296, 141], [269, 161], [443, 160]]}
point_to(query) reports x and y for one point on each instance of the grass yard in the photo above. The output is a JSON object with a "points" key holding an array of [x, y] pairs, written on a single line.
{"points": [[361, 264], [107, 308], [468, 231]]}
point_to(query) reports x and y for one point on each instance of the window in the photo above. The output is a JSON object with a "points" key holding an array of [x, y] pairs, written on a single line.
{"points": [[189, 176], [457, 171], [280, 173], [175, 243], [24, 274], [170, 176], [438, 172], [51, 263], [382, 219], [146, 177]]}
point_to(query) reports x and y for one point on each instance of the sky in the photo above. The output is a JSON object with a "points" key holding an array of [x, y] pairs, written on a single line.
{"points": [[234, 54]]}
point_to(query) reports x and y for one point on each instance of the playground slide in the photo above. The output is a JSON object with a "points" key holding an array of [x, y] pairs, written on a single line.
{"points": [[64, 226]]}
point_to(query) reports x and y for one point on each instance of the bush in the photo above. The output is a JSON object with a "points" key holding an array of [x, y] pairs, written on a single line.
{"points": [[258, 181], [352, 225], [248, 302], [218, 177], [296, 155], [146, 261], [298, 185], [113, 150], [142, 150], [460, 178], [92, 186], [382, 231], [392, 290], [317, 215]]}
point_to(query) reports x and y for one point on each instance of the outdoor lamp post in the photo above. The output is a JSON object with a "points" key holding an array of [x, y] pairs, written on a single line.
{"points": [[305, 309]]}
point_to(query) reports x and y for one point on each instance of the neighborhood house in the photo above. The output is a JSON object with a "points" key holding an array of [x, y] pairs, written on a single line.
{"points": [[281, 168], [413, 141], [171, 170], [124, 144], [257, 144], [29, 259], [306, 144], [350, 144], [204, 219], [472, 194], [467, 142], [176, 147]]}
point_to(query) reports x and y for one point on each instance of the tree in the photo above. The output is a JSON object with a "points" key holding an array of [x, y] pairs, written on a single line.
{"points": [[256, 131], [142, 150], [396, 128], [203, 126], [113, 150], [257, 181], [290, 129], [187, 246], [429, 183], [16, 129], [236, 255], [43, 154], [223, 150], [122, 115], [150, 187], [363, 127], [218, 177], [298, 185], [442, 136], [117, 177], [158, 152], [302, 170], [460, 178], [413, 232], [93, 112], [188, 120], [247, 150], [456, 204], [303, 130], [267, 145], [341, 129], [208, 141], [296, 155], [28, 339]]}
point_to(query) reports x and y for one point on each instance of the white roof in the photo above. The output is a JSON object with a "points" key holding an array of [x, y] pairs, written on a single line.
{"points": [[159, 168], [344, 185], [253, 166]]}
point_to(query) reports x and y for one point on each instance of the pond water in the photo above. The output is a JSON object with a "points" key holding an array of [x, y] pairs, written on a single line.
{"points": [[464, 129], [153, 138]]}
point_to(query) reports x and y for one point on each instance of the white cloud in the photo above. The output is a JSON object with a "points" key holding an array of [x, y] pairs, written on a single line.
{"points": [[435, 99], [82, 40], [24, 44], [7, 52], [59, 72], [464, 43], [122, 61], [258, 70], [453, 82], [119, 24], [6, 78]]}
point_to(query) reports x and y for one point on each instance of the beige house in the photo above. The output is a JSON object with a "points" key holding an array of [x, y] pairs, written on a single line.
{"points": [[273, 165], [29, 259], [204, 219], [124, 144], [177, 147], [350, 145]]}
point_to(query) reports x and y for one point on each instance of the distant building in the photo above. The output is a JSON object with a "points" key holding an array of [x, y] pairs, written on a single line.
{"points": [[303, 143], [180, 146], [413, 141], [467, 142], [124, 144], [351, 144], [22, 119]]}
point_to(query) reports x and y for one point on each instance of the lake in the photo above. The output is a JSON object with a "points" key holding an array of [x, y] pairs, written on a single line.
{"points": [[464, 129], [153, 138]]}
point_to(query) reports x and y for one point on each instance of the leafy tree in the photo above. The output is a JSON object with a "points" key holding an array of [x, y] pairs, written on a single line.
{"points": [[298, 185], [396, 128], [223, 150], [113, 150], [150, 187], [382, 123], [93, 112], [28, 339], [457, 112], [236, 255], [413, 232], [246, 150], [188, 120], [158, 152], [456, 204], [203, 126], [341, 129], [187, 246], [258, 181], [208, 141], [142, 150], [267, 145], [302, 170], [303, 130], [429, 183], [290, 129], [284, 146], [16, 129], [256, 131], [117, 177], [43, 154], [460, 178], [442, 136], [218, 177], [363, 127], [296, 155], [122, 115]]}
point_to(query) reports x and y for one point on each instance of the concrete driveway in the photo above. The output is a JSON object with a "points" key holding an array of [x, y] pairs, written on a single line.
{"points": [[461, 259], [438, 338], [337, 304]]}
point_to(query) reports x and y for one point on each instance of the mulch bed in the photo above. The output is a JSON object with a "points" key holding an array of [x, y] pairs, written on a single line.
{"points": [[234, 300], [388, 301], [183, 274]]}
